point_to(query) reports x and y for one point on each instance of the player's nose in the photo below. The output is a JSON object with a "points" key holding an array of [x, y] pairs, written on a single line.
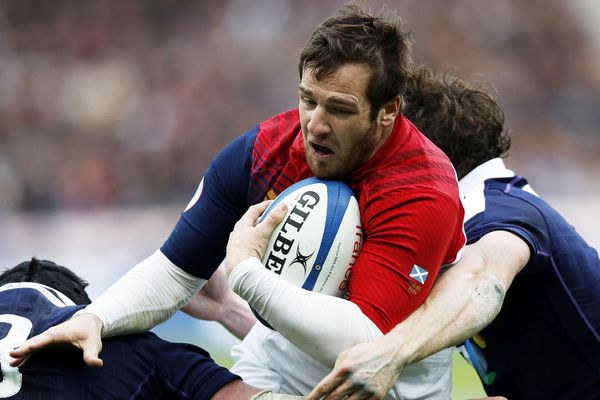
{"points": [[318, 123]]}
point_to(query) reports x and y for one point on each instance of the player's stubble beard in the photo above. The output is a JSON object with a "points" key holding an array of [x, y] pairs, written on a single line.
{"points": [[345, 161]]}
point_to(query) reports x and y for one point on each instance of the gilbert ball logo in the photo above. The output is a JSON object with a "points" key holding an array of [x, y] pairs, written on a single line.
{"points": [[291, 227]]}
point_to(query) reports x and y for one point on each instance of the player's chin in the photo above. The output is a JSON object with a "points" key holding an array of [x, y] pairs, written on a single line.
{"points": [[327, 171], [325, 174]]}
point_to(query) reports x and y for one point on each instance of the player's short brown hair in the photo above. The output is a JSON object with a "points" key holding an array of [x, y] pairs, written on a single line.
{"points": [[357, 35]]}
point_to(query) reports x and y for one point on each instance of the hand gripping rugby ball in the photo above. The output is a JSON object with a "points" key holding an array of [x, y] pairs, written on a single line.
{"points": [[318, 241], [316, 244]]}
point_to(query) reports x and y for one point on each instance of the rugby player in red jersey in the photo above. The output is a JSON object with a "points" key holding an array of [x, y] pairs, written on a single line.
{"points": [[348, 127]]}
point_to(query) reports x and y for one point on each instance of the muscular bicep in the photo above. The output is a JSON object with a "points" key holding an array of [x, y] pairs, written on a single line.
{"points": [[503, 255]]}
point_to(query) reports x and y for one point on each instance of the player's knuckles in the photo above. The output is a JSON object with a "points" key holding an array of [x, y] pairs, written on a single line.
{"points": [[344, 370], [255, 210], [273, 219], [267, 228], [46, 338], [361, 386], [238, 225], [62, 333], [279, 211], [263, 206]]}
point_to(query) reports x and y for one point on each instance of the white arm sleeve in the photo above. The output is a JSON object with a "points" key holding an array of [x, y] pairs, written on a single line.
{"points": [[150, 293], [322, 326]]}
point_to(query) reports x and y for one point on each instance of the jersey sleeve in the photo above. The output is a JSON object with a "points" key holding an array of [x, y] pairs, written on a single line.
{"points": [[190, 369], [197, 243], [408, 239], [524, 226], [504, 212]]}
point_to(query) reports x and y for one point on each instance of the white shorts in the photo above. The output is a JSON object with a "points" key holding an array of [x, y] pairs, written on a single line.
{"points": [[267, 360]]}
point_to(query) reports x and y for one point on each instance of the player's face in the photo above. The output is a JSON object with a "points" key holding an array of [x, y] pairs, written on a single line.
{"points": [[339, 135]]}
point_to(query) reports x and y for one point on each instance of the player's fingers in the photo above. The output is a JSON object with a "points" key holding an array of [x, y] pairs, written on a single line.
{"points": [[362, 396], [326, 386], [362, 393], [31, 345], [18, 362], [251, 216], [21, 354], [340, 385], [91, 350], [90, 341], [341, 391], [272, 219]]}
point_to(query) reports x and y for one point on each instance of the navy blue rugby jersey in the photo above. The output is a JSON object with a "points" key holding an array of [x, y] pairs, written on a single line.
{"points": [[545, 342], [135, 366]]}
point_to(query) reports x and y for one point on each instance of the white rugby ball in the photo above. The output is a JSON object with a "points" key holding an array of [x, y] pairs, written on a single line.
{"points": [[318, 241]]}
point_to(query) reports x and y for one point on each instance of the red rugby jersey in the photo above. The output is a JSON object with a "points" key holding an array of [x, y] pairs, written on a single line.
{"points": [[410, 211]]}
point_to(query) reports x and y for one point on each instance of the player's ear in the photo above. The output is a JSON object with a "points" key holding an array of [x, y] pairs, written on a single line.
{"points": [[389, 111]]}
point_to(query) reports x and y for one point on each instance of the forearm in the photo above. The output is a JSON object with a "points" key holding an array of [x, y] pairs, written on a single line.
{"points": [[238, 318], [233, 312], [217, 302], [461, 303], [322, 326], [147, 295]]}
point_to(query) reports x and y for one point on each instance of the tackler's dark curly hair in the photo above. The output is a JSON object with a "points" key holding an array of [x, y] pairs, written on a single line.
{"points": [[48, 273], [462, 119]]}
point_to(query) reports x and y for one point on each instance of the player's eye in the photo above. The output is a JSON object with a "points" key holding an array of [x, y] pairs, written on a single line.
{"points": [[307, 100], [341, 111]]}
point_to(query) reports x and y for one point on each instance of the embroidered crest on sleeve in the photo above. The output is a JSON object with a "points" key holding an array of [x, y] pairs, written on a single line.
{"points": [[419, 274]]}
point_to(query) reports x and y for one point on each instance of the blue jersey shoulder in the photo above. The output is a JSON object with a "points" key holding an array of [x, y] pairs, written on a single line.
{"points": [[509, 207], [551, 313]]}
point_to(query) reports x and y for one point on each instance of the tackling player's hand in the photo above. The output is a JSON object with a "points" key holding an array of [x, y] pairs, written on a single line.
{"points": [[365, 371], [82, 331], [250, 237]]}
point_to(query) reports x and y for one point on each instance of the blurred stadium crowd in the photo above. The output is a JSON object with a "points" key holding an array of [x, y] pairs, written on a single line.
{"points": [[124, 103]]}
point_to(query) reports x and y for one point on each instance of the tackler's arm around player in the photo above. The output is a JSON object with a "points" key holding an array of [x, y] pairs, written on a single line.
{"points": [[464, 299]]}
